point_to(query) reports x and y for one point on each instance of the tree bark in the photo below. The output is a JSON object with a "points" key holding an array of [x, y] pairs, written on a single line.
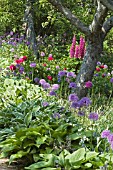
{"points": [[29, 24], [108, 4], [92, 55]]}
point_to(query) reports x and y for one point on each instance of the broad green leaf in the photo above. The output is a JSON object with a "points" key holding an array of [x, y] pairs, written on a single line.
{"points": [[19, 154], [76, 156], [90, 155], [88, 165], [41, 140], [28, 118]]}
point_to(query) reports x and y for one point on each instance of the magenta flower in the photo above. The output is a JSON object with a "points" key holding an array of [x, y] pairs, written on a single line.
{"points": [[88, 84], [72, 48], [76, 55], [82, 47]]}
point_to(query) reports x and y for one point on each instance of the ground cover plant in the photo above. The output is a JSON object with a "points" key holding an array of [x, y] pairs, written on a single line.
{"points": [[42, 120]]}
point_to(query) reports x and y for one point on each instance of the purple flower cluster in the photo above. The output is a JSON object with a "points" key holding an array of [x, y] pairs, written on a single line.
{"points": [[111, 80], [76, 103], [32, 65], [72, 85], [52, 88], [107, 134], [93, 116]]}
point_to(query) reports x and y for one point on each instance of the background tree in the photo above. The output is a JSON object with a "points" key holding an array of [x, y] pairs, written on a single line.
{"points": [[95, 34]]}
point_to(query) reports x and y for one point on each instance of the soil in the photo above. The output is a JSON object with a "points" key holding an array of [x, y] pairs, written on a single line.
{"points": [[4, 165]]}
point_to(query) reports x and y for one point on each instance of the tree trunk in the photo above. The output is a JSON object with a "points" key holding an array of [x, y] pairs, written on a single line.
{"points": [[30, 32], [92, 55]]}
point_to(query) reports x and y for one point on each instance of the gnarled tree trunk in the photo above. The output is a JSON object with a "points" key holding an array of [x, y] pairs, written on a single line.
{"points": [[92, 55], [29, 24]]}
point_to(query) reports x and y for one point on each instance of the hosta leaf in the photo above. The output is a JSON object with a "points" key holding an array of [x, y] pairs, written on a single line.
{"points": [[28, 118], [19, 154], [76, 156], [88, 165], [90, 155], [41, 140]]}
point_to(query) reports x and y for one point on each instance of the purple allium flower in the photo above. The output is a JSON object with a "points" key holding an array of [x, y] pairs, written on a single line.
{"points": [[21, 68], [96, 75], [98, 63], [111, 80], [42, 81], [73, 97], [93, 116], [85, 101], [88, 84], [11, 32], [70, 74], [52, 93], [72, 85], [105, 133], [62, 73], [55, 86], [14, 43], [28, 43], [18, 65], [30, 72], [42, 54], [110, 138], [75, 105], [36, 80], [45, 104], [56, 115], [80, 113], [46, 85], [32, 65]]}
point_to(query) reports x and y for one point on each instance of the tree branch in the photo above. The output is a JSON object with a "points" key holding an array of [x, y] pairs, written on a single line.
{"points": [[99, 18], [108, 4], [107, 26], [71, 17]]}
